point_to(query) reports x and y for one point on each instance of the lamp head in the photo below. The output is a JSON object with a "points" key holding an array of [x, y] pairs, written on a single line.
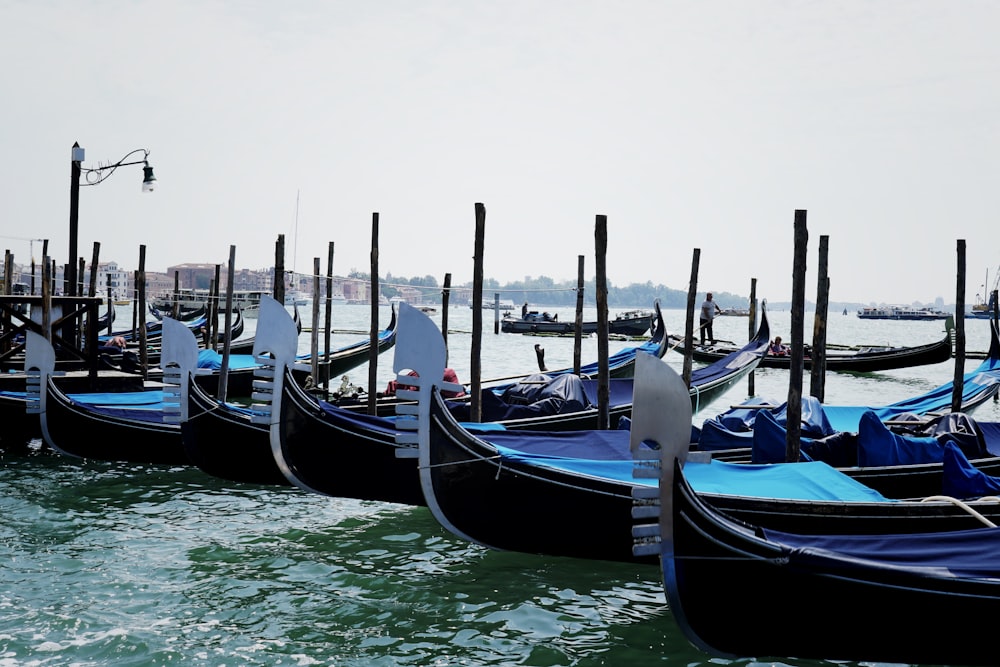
{"points": [[148, 180]]}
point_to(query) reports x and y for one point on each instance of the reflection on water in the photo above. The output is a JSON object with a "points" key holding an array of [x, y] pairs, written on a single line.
{"points": [[146, 565]]}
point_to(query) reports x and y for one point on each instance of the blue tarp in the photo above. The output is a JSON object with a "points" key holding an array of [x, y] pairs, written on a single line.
{"points": [[962, 480], [799, 481], [960, 554], [733, 429], [213, 360]]}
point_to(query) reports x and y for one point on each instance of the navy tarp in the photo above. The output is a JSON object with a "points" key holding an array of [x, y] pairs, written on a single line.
{"points": [[537, 395], [951, 554], [878, 446], [963, 480]]}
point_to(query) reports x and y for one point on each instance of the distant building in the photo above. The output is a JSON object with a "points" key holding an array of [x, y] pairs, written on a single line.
{"points": [[111, 278], [194, 276]]}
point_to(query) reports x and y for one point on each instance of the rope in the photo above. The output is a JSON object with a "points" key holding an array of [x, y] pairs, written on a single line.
{"points": [[964, 506], [453, 463]]}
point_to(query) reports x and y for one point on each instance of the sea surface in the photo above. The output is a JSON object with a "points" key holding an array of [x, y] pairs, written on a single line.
{"points": [[120, 564]]}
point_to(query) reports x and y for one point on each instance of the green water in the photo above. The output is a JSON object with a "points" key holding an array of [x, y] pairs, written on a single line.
{"points": [[140, 565]]}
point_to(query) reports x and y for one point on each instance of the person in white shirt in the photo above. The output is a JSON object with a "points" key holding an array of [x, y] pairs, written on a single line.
{"points": [[709, 309]]}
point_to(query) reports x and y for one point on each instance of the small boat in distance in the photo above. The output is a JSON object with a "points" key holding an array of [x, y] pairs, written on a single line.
{"points": [[490, 304], [901, 313], [628, 323]]}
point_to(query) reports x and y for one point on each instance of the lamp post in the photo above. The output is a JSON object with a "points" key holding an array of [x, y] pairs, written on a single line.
{"points": [[94, 176]]}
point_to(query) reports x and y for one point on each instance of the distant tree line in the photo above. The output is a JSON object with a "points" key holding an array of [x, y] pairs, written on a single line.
{"points": [[544, 291]]}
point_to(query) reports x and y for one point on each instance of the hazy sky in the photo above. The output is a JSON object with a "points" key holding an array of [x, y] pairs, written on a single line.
{"points": [[690, 124]]}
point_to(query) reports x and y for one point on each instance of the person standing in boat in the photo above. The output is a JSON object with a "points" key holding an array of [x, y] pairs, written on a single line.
{"points": [[524, 310], [709, 309]]}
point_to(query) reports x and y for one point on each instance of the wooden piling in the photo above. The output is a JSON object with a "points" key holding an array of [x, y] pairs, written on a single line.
{"points": [[47, 272], [314, 339], [445, 299], [278, 288], [603, 373], [751, 389], [496, 313], [213, 305], [475, 363], [8, 289], [94, 262], [578, 324], [817, 380], [223, 390], [373, 326], [328, 315], [175, 311], [956, 394], [135, 305], [794, 409], [141, 285], [111, 306], [689, 319]]}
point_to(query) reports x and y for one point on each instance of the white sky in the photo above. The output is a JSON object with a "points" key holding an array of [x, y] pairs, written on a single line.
{"points": [[690, 124]]}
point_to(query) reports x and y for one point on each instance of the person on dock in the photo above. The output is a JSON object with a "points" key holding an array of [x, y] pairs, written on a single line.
{"points": [[709, 309]]}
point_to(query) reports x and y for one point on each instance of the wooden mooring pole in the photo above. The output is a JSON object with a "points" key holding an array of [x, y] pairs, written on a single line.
{"points": [[475, 363], [603, 373], [817, 378], [956, 394], [793, 430], [373, 330], [578, 327]]}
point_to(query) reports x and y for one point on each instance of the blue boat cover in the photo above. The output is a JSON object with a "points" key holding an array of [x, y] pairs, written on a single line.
{"points": [[963, 480], [153, 398], [734, 429], [800, 481], [878, 446], [961, 554], [874, 444], [145, 406], [537, 395], [213, 360]]}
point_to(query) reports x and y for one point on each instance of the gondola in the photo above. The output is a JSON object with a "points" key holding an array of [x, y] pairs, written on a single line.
{"points": [[862, 359], [223, 440], [120, 426], [233, 442], [620, 364], [490, 499], [511, 490], [630, 323], [737, 589]]}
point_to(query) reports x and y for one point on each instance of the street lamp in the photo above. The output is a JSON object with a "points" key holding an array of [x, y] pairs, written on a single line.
{"points": [[94, 176]]}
